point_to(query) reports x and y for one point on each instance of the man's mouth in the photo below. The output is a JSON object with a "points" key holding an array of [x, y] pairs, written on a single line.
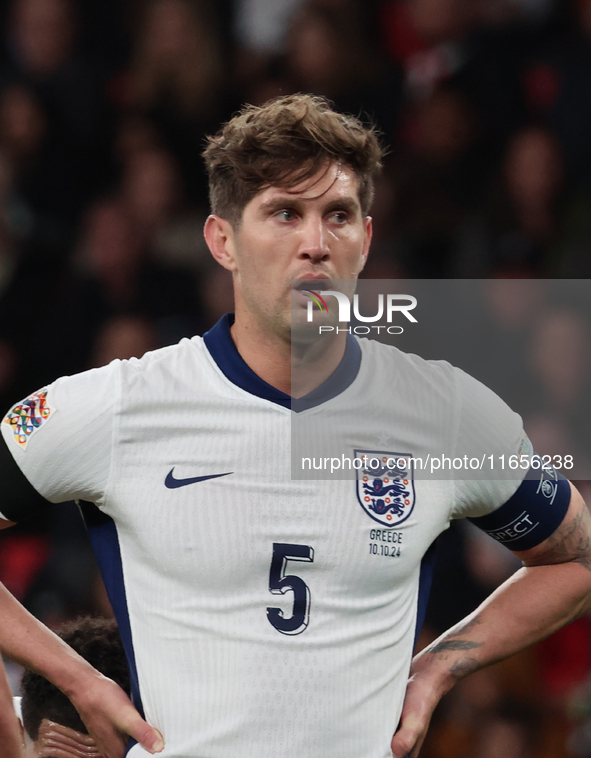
{"points": [[313, 285]]}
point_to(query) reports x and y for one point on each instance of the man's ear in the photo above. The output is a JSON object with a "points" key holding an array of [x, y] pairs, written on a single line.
{"points": [[368, 226], [219, 236]]}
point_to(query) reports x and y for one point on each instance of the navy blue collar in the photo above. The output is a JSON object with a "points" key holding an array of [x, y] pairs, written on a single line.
{"points": [[220, 344]]}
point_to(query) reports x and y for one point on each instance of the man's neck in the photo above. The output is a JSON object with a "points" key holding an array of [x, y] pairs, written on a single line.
{"points": [[295, 370]]}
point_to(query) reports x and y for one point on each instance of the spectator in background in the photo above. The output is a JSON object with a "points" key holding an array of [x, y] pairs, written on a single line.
{"points": [[532, 215], [43, 36], [42, 55], [426, 37], [260, 33], [438, 183], [261, 25], [177, 79], [523, 230], [530, 221], [151, 194], [134, 134], [117, 276], [150, 191], [443, 42], [329, 52], [113, 255], [124, 337], [27, 161], [176, 62], [557, 81], [560, 359], [496, 341], [22, 125]]}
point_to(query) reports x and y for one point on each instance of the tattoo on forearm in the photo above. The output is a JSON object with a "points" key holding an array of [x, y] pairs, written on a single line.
{"points": [[455, 641], [464, 666], [463, 628], [455, 645], [570, 542]]}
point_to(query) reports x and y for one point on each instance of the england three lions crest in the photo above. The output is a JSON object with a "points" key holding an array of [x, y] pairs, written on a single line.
{"points": [[385, 485]]}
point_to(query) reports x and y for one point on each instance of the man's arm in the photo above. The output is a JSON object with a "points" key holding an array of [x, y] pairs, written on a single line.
{"points": [[552, 589], [10, 732], [103, 706]]}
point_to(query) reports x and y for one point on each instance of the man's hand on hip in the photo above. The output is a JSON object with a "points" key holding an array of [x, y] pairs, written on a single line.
{"points": [[111, 718]]}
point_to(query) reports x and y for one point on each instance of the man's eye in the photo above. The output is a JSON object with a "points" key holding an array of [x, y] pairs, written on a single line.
{"points": [[339, 217], [285, 215]]}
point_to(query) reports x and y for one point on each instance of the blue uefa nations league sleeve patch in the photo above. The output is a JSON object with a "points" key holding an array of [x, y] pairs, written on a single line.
{"points": [[533, 513]]}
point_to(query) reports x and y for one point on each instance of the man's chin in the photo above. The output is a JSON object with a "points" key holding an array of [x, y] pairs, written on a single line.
{"points": [[304, 332]]}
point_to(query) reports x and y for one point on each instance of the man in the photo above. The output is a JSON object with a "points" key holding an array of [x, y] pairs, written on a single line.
{"points": [[10, 737], [199, 528], [53, 728]]}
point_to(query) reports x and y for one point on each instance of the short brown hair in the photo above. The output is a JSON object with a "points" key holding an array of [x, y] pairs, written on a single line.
{"points": [[282, 143], [98, 641]]}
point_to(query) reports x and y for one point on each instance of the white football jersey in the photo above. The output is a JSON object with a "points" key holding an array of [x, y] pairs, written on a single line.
{"points": [[262, 616]]}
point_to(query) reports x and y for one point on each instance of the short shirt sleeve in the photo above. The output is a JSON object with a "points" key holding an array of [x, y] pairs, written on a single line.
{"points": [[487, 430], [61, 437]]}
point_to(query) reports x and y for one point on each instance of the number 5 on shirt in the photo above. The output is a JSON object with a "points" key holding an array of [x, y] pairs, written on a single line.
{"points": [[279, 584]]}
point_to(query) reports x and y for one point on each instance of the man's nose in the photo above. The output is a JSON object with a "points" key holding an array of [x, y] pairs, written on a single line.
{"points": [[314, 243]]}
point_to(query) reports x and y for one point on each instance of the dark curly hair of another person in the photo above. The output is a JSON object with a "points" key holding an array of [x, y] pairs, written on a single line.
{"points": [[283, 143], [98, 641]]}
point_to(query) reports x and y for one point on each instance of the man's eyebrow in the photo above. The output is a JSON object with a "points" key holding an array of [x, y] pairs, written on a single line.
{"points": [[343, 203], [279, 201], [289, 201]]}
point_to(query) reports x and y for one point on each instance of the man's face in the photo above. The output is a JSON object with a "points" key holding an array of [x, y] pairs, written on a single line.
{"points": [[313, 232]]}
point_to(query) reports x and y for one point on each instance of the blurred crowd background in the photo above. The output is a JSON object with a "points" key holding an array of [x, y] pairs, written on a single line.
{"points": [[485, 106]]}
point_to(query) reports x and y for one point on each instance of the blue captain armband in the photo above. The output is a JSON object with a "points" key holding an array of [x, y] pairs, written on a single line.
{"points": [[533, 513]]}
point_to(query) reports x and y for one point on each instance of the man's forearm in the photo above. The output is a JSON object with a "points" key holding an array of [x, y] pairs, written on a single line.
{"points": [[531, 605], [552, 589], [27, 641]]}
